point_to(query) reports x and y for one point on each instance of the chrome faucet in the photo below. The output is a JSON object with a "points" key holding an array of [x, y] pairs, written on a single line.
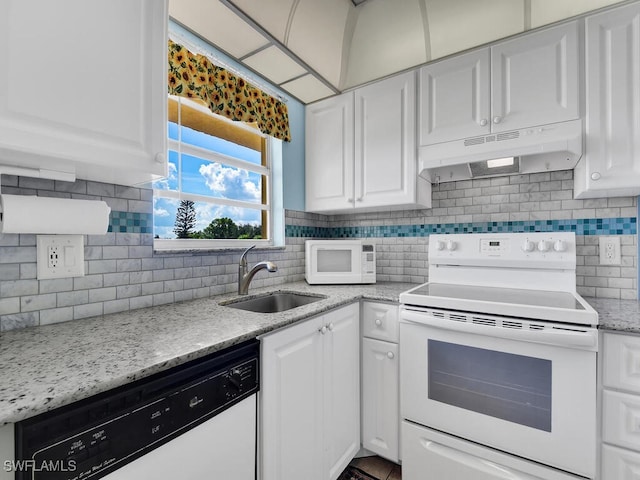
{"points": [[245, 277]]}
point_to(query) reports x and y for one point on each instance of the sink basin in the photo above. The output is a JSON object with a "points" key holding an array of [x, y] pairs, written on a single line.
{"points": [[274, 302]]}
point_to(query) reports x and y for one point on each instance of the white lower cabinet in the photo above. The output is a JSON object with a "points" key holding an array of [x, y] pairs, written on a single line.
{"points": [[619, 464], [310, 397], [380, 380], [380, 404], [620, 454]]}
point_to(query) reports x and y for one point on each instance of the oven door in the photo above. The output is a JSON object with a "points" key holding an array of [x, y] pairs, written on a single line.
{"points": [[524, 388]]}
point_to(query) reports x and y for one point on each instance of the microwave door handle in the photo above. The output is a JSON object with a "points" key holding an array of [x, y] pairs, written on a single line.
{"points": [[586, 339]]}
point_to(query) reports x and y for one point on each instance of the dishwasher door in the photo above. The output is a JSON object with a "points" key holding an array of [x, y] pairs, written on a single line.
{"points": [[223, 447]]}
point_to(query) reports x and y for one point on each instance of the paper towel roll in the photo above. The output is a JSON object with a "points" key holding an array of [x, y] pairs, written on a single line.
{"points": [[31, 214]]}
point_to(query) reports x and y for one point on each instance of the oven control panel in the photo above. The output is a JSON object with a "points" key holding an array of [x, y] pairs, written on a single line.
{"points": [[549, 250]]}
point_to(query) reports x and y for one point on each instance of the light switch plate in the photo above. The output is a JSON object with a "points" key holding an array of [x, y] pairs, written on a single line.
{"points": [[60, 256], [610, 251]]}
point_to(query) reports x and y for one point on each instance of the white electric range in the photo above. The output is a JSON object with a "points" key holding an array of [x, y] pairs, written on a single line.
{"points": [[498, 361]]}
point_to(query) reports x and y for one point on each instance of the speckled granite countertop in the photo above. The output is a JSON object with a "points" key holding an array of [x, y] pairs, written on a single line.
{"points": [[618, 315], [46, 367]]}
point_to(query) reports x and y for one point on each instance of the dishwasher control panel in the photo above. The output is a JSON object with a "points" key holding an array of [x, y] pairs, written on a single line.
{"points": [[95, 436]]}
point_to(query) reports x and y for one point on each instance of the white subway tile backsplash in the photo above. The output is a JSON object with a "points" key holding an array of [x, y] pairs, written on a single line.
{"points": [[124, 273]]}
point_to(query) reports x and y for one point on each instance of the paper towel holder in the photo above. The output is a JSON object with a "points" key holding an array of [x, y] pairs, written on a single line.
{"points": [[34, 173], [37, 173]]}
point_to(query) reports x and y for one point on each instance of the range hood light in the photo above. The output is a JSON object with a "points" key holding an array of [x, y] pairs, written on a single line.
{"points": [[495, 166], [500, 162]]}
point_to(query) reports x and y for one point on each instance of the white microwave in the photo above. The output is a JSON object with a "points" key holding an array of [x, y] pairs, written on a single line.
{"points": [[340, 261]]}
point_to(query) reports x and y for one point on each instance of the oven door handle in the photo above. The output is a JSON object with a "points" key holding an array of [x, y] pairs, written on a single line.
{"points": [[586, 339], [479, 465]]}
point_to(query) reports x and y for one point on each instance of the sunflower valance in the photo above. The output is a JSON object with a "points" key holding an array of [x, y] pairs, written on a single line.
{"points": [[194, 76]]}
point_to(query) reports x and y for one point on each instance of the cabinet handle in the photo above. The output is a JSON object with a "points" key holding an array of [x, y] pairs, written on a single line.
{"points": [[330, 327], [497, 119], [390, 355], [323, 330], [160, 158], [378, 322], [483, 122], [595, 176], [359, 199], [350, 200]]}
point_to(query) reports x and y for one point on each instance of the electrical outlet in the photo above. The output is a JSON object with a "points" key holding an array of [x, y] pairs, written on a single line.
{"points": [[610, 251], [60, 256], [53, 258]]}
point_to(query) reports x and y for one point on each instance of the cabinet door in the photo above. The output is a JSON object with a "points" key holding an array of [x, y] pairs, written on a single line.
{"points": [[619, 464], [83, 87], [534, 79], [612, 158], [454, 98], [380, 321], [292, 403], [385, 146], [380, 409], [329, 154], [342, 389], [620, 417], [621, 364]]}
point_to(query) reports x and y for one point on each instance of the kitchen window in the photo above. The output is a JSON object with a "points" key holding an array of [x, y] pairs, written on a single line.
{"points": [[219, 191]]}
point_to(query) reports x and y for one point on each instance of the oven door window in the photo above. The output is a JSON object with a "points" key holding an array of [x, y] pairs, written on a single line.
{"points": [[511, 387]]}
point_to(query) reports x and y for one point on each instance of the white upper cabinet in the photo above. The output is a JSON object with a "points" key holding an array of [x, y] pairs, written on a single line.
{"points": [[361, 149], [83, 87], [385, 148], [454, 98], [611, 164], [329, 154], [525, 82], [535, 79]]}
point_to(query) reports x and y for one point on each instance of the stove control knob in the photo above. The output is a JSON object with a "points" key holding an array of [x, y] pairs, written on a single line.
{"points": [[543, 246], [559, 246], [528, 246], [451, 245], [439, 245]]}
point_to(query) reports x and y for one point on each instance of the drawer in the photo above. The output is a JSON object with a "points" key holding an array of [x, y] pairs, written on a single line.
{"points": [[621, 419], [380, 321], [619, 464], [621, 363]]}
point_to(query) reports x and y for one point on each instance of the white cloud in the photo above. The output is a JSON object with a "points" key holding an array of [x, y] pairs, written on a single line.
{"points": [[161, 212], [229, 182]]}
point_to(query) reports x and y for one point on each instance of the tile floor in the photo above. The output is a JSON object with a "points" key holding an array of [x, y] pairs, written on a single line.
{"points": [[378, 467]]}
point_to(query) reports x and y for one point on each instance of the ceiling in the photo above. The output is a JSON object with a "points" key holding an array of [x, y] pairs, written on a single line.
{"points": [[313, 49]]}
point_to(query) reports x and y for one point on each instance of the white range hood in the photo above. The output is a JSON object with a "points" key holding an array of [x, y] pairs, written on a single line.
{"points": [[544, 148]]}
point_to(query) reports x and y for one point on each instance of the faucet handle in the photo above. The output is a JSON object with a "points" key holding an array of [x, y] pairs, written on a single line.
{"points": [[243, 260]]}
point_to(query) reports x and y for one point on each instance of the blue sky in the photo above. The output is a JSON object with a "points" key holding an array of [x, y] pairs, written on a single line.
{"points": [[209, 179]]}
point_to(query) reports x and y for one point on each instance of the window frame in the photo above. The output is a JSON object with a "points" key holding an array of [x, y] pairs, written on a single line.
{"points": [[271, 169]]}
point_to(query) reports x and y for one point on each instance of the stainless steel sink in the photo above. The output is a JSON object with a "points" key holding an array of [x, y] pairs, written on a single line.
{"points": [[274, 302]]}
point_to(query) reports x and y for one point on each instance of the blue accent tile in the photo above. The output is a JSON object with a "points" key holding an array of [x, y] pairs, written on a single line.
{"points": [[130, 222], [583, 226]]}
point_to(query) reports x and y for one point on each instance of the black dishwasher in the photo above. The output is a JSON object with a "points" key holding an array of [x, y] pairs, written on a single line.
{"points": [[93, 437]]}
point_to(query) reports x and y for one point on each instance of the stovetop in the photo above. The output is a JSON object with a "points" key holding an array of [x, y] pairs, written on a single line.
{"points": [[524, 275], [567, 307]]}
